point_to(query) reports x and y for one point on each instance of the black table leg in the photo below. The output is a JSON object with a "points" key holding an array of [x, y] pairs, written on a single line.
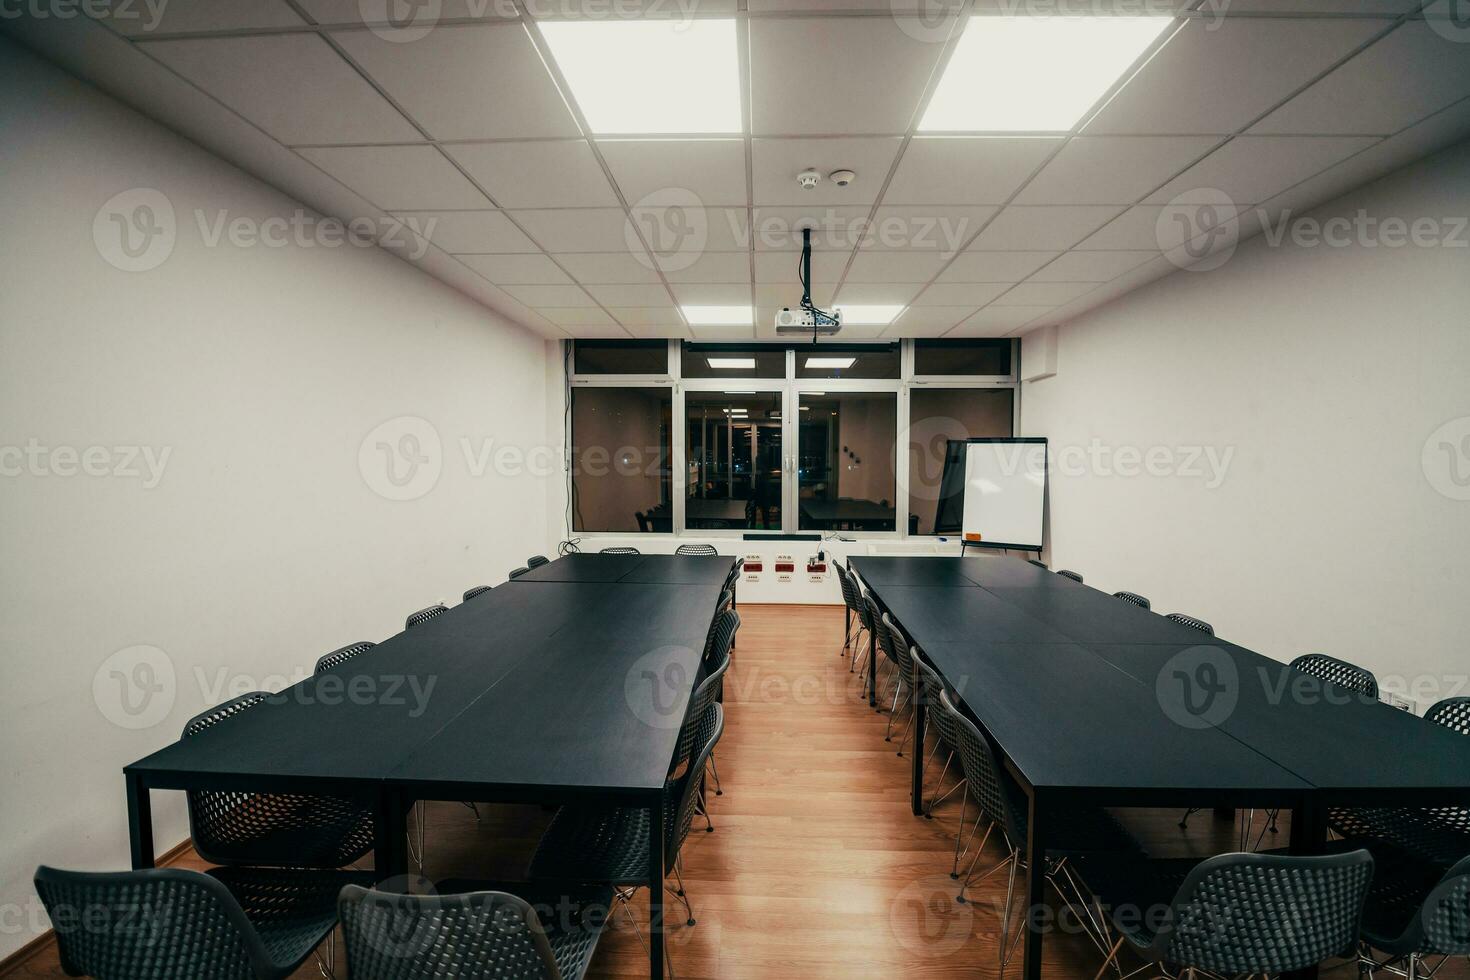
{"points": [[140, 822], [1035, 890], [1308, 836], [390, 836], [656, 873], [917, 789]]}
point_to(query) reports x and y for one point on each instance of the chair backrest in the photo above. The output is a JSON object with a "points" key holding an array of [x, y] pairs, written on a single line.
{"points": [[517, 572], [928, 688], [721, 636], [696, 549], [536, 561], [621, 551], [707, 693], [872, 615], [424, 615], [1452, 713], [1134, 598], [682, 792], [995, 793], [157, 922], [850, 595], [392, 936], [1338, 672], [1192, 623], [1266, 913], [1038, 563], [896, 646], [642, 520], [1444, 919], [477, 590], [1068, 573], [338, 657]]}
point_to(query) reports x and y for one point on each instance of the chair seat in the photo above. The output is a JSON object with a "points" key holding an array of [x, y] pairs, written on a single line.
{"points": [[292, 910], [282, 830], [607, 845], [572, 920], [1437, 837]]}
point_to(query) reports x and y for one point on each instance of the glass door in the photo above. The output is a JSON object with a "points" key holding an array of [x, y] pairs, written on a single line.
{"points": [[735, 458]]}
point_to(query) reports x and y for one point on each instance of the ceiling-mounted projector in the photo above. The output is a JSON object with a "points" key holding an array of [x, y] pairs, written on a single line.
{"points": [[801, 322]]}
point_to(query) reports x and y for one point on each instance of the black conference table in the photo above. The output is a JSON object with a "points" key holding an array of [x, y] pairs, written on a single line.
{"points": [[565, 685], [1093, 700]]}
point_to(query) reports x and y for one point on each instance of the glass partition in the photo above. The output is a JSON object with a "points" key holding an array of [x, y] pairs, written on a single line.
{"points": [[733, 447], [845, 472]]}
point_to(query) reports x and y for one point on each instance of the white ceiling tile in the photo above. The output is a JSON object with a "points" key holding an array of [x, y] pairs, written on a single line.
{"points": [[421, 20], [973, 294], [1093, 266], [648, 316], [1039, 228], [741, 332], [608, 267], [781, 267], [1250, 169], [925, 227], [895, 266], [654, 331], [1216, 75], [776, 162], [679, 231], [538, 174], [579, 229], [597, 331], [435, 79], [565, 296], [709, 267], [774, 297], [995, 266], [293, 86], [940, 170], [632, 294], [469, 231], [834, 229], [848, 75], [1134, 229], [577, 316], [136, 18], [712, 170], [1399, 80], [877, 293], [1112, 169], [997, 321], [927, 321], [516, 270], [1044, 293], [815, 6], [711, 293], [399, 178], [1364, 7]]}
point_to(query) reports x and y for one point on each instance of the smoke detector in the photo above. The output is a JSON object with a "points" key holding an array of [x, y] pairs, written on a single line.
{"points": [[842, 177], [808, 179]]}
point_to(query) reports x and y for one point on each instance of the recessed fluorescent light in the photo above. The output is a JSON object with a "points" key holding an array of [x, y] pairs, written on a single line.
{"points": [[812, 394], [741, 392], [867, 316], [730, 363], [806, 408], [650, 76], [829, 362], [720, 316], [1034, 73]]}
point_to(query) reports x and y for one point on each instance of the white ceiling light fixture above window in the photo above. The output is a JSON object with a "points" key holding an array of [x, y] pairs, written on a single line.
{"points": [[650, 76], [836, 363], [869, 316], [1034, 74], [731, 364], [721, 316]]}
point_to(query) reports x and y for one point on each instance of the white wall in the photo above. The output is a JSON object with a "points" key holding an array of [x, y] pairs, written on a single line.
{"points": [[1324, 370], [260, 371]]}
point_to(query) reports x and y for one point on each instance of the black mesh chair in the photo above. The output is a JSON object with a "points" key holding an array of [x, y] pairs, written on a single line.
{"points": [[1134, 598], [621, 551], [1338, 672], [1414, 911], [1068, 573], [487, 932], [518, 572], [896, 648], [424, 615], [1452, 713], [721, 636], [277, 829], [536, 561], [1235, 914], [477, 590], [851, 611], [167, 923], [340, 656], [872, 618], [610, 844], [929, 685], [1070, 832], [1192, 623], [710, 691], [696, 549]]}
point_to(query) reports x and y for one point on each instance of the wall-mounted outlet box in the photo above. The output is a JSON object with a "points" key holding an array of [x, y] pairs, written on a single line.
{"points": [[1401, 702]]}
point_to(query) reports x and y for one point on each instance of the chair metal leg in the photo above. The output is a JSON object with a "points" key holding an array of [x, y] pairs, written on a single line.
{"points": [[715, 771], [688, 911], [954, 870], [898, 688], [907, 730]]}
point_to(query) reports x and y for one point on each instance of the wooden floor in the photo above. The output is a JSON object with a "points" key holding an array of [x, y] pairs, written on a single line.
{"points": [[816, 868]]}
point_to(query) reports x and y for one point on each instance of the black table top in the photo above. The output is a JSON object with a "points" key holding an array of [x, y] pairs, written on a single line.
{"points": [[919, 570], [975, 616], [681, 569], [582, 568], [648, 569], [521, 690]]}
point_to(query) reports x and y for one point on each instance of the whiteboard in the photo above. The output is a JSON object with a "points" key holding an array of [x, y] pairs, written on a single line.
{"points": [[1005, 492]]}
